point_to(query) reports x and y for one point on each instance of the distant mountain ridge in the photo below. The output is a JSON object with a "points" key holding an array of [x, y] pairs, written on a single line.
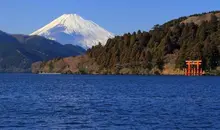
{"points": [[73, 29], [18, 52]]}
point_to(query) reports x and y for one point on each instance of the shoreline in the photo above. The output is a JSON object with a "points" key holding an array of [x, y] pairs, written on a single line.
{"points": [[124, 74]]}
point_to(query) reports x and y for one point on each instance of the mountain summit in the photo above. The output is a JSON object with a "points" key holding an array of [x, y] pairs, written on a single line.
{"points": [[73, 29]]}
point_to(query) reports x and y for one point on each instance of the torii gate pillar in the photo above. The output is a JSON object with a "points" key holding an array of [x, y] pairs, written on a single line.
{"points": [[191, 70]]}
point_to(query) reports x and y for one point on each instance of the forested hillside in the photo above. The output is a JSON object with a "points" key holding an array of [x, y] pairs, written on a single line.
{"points": [[194, 37]]}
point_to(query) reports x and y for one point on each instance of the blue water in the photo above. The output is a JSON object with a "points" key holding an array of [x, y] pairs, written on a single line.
{"points": [[109, 102]]}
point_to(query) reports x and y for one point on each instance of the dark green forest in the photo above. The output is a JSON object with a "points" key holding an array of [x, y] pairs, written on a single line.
{"points": [[149, 50]]}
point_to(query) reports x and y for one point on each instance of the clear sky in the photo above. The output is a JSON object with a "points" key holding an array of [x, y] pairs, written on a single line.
{"points": [[117, 16]]}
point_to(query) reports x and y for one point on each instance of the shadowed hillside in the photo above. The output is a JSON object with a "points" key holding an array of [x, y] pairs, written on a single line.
{"points": [[18, 52]]}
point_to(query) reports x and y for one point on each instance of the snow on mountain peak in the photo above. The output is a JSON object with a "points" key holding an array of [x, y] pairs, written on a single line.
{"points": [[73, 29]]}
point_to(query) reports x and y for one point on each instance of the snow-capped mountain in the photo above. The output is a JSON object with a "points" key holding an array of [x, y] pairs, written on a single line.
{"points": [[73, 29]]}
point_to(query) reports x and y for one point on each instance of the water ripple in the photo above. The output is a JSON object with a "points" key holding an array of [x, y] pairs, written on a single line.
{"points": [[108, 102]]}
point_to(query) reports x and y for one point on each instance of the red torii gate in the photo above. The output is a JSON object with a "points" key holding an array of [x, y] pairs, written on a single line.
{"points": [[193, 68]]}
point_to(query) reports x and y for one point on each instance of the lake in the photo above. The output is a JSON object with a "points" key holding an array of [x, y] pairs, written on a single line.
{"points": [[30, 101]]}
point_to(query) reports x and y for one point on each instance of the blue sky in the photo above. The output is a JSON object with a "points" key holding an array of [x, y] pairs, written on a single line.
{"points": [[117, 16]]}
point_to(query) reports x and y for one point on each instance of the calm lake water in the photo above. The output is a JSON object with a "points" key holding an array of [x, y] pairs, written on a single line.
{"points": [[109, 102]]}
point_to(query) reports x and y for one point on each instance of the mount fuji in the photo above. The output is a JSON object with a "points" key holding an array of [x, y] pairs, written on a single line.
{"points": [[73, 29]]}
